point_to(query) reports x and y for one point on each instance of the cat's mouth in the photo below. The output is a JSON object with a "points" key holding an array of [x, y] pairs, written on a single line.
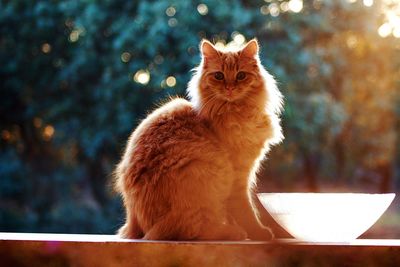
{"points": [[230, 95]]}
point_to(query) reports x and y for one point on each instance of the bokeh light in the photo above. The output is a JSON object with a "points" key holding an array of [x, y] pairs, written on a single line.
{"points": [[46, 48], [295, 5], [6, 135], [48, 132], [368, 3], [384, 30], [238, 38], [220, 45], [74, 36], [264, 10], [142, 77], [170, 81], [284, 6], [352, 41], [170, 11], [202, 9], [172, 22], [391, 21], [37, 122], [125, 57], [274, 9]]}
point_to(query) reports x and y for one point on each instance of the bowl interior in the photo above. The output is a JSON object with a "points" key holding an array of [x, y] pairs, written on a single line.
{"points": [[326, 217]]}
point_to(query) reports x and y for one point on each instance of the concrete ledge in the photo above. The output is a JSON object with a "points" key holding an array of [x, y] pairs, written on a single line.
{"points": [[19, 249]]}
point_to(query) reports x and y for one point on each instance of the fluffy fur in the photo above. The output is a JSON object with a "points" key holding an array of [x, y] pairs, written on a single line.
{"points": [[189, 168]]}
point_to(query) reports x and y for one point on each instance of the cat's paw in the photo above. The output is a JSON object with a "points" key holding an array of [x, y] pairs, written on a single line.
{"points": [[128, 232], [123, 232]]}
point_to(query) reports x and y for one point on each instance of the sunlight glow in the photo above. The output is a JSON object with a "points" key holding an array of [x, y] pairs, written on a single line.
{"points": [[391, 25], [325, 217], [220, 45], [384, 30], [368, 3], [390, 9], [142, 77], [396, 32]]}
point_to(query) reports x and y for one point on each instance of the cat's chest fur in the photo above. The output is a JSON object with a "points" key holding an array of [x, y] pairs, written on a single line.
{"points": [[244, 134]]}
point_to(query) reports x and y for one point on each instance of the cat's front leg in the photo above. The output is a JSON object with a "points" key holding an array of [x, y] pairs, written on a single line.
{"points": [[242, 209]]}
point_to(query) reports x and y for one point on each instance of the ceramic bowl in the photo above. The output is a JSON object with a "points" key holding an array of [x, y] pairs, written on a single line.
{"points": [[325, 217]]}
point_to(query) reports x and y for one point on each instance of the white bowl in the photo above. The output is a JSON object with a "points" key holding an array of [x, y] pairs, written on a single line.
{"points": [[325, 217]]}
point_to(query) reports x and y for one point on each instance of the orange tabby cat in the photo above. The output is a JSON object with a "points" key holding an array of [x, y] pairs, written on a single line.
{"points": [[189, 167]]}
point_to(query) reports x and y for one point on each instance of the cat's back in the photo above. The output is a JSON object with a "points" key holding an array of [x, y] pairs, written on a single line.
{"points": [[175, 121], [169, 138]]}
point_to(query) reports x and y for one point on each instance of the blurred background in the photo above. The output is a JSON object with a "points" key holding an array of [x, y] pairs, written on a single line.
{"points": [[76, 77]]}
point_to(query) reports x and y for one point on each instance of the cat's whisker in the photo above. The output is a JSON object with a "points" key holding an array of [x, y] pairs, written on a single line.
{"points": [[250, 99], [221, 108], [209, 100]]}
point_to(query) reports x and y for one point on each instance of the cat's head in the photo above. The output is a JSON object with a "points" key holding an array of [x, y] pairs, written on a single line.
{"points": [[235, 78], [229, 74]]}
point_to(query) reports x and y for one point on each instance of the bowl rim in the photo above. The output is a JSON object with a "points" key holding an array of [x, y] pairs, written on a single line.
{"points": [[321, 194]]}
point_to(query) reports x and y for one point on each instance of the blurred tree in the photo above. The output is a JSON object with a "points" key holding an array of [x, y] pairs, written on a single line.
{"points": [[77, 76]]}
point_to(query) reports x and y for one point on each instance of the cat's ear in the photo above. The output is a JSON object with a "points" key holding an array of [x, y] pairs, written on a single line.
{"points": [[208, 50], [251, 49]]}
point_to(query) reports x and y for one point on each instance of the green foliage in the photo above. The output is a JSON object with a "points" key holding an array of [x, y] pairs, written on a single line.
{"points": [[69, 99]]}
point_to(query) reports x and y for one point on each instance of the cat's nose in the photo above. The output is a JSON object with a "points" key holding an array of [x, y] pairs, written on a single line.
{"points": [[230, 88]]}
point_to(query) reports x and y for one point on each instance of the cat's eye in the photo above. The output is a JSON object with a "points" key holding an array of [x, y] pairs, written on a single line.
{"points": [[240, 75], [219, 75]]}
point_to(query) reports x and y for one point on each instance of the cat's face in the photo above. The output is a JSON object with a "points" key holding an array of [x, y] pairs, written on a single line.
{"points": [[229, 75]]}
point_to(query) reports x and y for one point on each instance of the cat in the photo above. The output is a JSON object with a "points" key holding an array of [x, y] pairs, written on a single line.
{"points": [[189, 168]]}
